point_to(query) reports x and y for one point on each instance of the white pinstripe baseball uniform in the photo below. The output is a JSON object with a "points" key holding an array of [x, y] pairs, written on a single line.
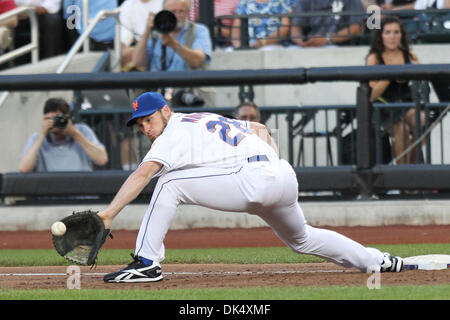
{"points": [[216, 162]]}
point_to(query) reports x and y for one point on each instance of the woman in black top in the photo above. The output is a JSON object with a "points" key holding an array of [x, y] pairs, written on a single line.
{"points": [[390, 47]]}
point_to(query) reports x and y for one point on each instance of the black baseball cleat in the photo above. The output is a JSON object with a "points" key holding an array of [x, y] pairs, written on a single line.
{"points": [[137, 271], [391, 264]]}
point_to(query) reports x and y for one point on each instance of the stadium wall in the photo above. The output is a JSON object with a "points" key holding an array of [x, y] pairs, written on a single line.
{"points": [[329, 213]]}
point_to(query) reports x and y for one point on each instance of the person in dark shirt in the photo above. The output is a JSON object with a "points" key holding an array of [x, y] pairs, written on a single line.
{"points": [[390, 46], [324, 30]]}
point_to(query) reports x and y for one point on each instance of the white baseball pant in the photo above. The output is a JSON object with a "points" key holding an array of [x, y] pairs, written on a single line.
{"points": [[267, 189]]}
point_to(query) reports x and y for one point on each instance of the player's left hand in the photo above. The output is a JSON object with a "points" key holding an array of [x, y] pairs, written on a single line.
{"points": [[84, 236]]}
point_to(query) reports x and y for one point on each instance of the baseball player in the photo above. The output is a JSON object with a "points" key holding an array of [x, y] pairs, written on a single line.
{"points": [[225, 164]]}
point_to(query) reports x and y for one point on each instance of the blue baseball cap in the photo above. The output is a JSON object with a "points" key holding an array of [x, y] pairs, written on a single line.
{"points": [[145, 105]]}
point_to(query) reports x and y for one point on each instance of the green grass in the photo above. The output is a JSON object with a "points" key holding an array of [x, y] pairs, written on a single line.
{"points": [[231, 255], [254, 293], [46, 257]]}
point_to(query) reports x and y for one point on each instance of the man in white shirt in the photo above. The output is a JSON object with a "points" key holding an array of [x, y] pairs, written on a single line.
{"points": [[133, 18], [425, 4]]}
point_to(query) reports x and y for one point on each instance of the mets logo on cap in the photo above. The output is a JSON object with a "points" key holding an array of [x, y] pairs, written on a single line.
{"points": [[145, 105]]}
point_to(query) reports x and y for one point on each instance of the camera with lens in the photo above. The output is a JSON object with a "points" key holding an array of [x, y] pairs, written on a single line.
{"points": [[60, 121], [185, 98], [164, 22]]}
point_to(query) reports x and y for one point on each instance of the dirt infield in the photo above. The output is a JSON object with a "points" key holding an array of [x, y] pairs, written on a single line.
{"points": [[224, 275], [240, 237], [218, 276]]}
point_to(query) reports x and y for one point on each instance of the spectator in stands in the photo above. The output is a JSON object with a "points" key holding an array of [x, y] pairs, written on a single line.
{"points": [[194, 10], [7, 27], [179, 55], [248, 111], [51, 41], [188, 47], [5, 6], [431, 4], [368, 3], [133, 17], [390, 4], [62, 145], [330, 29], [266, 33], [221, 8], [223, 31], [408, 4], [102, 36], [390, 46]]}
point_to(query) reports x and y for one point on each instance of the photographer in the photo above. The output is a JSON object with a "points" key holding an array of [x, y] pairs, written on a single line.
{"points": [[173, 43], [62, 145]]}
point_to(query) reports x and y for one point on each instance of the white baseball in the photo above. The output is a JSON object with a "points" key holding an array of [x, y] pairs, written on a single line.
{"points": [[58, 228]]}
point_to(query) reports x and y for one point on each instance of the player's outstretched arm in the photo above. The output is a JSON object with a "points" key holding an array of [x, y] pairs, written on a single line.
{"points": [[261, 131], [130, 189]]}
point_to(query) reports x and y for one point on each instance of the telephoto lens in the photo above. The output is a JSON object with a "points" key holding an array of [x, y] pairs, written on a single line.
{"points": [[191, 99], [164, 22], [183, 97]]}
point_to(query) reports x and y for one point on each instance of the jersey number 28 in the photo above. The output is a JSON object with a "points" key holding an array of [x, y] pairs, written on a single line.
{"points": [[224, 124]]}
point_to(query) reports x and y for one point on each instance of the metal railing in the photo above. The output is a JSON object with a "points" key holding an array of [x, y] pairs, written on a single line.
{"points": [[83, 40], [222, 78], [84, 37], [33, 46], [384, 147], [294, 128], [311, 136], [102, 119]]}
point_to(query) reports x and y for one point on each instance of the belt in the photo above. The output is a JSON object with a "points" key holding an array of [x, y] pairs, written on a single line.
{"points": [[260, 157]]}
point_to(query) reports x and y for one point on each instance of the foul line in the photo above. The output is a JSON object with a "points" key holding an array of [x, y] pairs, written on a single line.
{"points": [[181, 273]]}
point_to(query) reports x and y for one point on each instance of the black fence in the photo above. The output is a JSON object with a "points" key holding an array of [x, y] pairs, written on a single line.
{"points": [[354, 165], [311, 136]]}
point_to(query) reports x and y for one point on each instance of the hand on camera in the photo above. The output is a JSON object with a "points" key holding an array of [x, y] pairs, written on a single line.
{"points": [[47, 124], [168, 40], [70, 130], [150, 19]]}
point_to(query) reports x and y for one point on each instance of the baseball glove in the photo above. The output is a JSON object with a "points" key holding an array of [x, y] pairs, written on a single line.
{"points": [[85, 234]]}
